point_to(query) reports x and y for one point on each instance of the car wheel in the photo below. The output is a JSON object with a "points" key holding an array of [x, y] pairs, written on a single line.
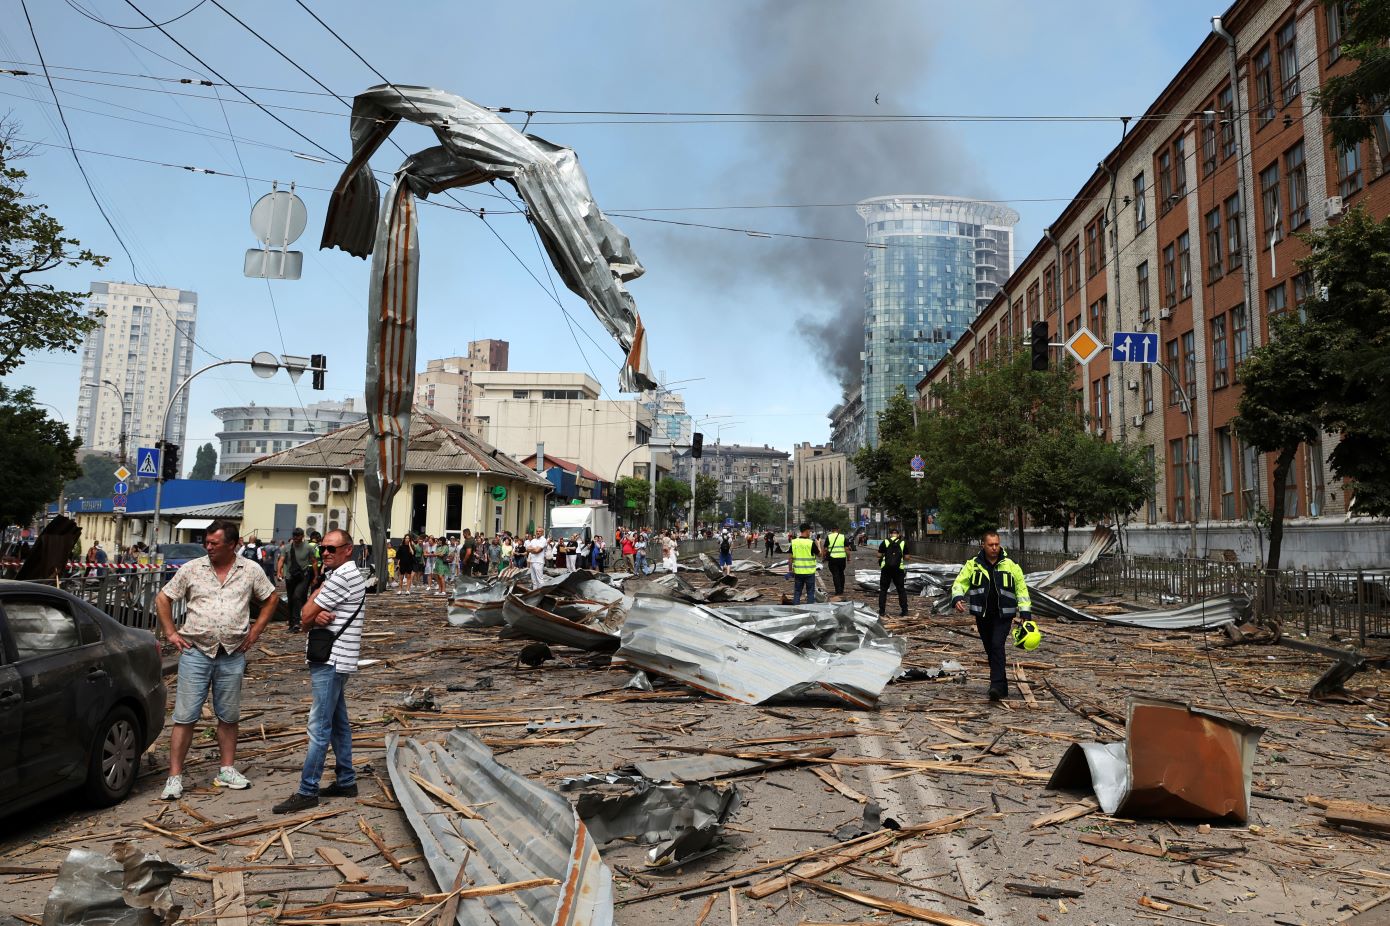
{"points": [[114, 758]]}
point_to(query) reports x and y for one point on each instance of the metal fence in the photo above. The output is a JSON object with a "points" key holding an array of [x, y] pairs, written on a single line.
{"points": [[126, 596], [1347, 603]]}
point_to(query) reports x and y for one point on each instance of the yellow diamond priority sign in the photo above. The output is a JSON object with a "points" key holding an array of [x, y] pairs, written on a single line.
{"points": [[122, 474], [1084, 346]]}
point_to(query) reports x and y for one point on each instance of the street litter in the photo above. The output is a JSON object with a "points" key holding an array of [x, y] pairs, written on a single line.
{"points": [[126, 888], [871, 822], [949, 668], [420, 699], [681, 820], [1176, 762], [508, 831], [714, 651]]}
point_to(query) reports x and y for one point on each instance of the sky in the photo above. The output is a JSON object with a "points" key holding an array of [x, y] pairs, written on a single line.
{"points": [[764, 330]]}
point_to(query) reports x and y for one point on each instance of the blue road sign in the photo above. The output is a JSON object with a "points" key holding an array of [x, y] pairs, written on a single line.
{"points": [[1134, 347], [120, 488], [118, 501], [918, 463], [147, 462]]}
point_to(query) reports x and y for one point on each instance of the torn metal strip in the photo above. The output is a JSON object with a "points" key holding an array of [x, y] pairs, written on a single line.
{"points": [[1207, 614], [524, 831]]}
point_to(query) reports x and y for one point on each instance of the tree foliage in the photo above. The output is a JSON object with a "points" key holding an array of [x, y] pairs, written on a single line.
{"points": [[762, 511], [37, 455], [1359, 97], [672, 495], [706, 496], [827, 513], [635, 493], [1073, 477], [96, 476], [205, 466], [885, 468], [35, 315]]}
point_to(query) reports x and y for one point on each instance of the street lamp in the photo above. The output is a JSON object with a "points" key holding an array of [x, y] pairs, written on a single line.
{"points": [[120, 397]]}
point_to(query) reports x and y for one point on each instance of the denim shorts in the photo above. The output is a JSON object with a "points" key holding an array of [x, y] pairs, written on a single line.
{"points": [[726, 559], [199, 674]]}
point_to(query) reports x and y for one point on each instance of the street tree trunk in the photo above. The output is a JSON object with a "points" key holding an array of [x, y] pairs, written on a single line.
{"points": [[1276, 507]]}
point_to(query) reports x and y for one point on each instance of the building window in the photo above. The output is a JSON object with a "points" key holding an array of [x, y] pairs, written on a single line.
{"points": [[1141, 208], [1296, 177], [1178, 481], [1180, 167], [453, 508], [1302, 292], [1170, 277], [1098, 317], [1071, 268], [1185, 266], [1092, 248], [1032, 299], [1287, 38], [1174, 395], [1234, 233], [1220, 374], [1349, 170], [1142, 274], [1226, 465], [1240, 339], [1336, 14], [521, 394], [1189, 363], [1269, 192], [1226, 106], [1264, 88], [1214, 253], [1165, 182], [1146, 387], [1208, 142], [1275, 300], [1050, 289]]}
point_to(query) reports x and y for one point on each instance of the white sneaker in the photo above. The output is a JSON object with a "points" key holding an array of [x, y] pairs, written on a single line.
{"points": [[231, 778], [173, 788]]}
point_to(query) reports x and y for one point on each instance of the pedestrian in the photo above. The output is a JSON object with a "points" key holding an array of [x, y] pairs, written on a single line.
{"points": [[835, 557], [669, 549], [336, 608], [803, 565], [536, 549], [216, 634], [726, 556], [767, 544], [505, 559], [599, 555], [299, 570], [406, 554], [469, 553], [639, 549], [572, 553], [629, 549], [892, 555], [443, 563], [993, 588]]}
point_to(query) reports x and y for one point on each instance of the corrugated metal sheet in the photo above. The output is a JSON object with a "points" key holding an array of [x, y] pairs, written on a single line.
{"points": [[708, 651], [527, 831], [1207, 614], [541, 616]]}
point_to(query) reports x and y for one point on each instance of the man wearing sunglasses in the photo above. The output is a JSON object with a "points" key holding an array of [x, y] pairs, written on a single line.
{"points": [[338, 606]]}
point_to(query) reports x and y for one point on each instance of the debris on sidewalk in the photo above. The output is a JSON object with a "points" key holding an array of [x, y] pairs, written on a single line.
{"points": [[504, 829], [477, 602], [680, 821], [1208, 614], [550, 616], [420, 699], [126, 888], [1176, 762]]}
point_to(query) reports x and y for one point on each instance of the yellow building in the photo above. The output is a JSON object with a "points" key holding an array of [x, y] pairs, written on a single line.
{"points": [[452, 481]]}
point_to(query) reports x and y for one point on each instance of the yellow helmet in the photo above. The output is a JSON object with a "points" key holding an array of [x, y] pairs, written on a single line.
{"points": [[1027, 635]]}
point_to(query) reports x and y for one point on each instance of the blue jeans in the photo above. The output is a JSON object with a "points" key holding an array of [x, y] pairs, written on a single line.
{"points": [[200, 674], [807, 582], [328, 726]]}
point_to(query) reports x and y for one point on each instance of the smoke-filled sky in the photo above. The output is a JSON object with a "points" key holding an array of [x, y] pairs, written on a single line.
{"points": [[762, 329]]}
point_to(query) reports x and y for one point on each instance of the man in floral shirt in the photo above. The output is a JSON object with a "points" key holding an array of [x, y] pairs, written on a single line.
{"points": [[216, 634]]}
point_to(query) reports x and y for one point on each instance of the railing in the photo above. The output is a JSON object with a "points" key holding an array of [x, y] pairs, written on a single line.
{"points": [[125, 593], [1348, 603]]}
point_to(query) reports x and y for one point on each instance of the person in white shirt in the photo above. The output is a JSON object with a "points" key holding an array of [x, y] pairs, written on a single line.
{"points": [[668, 552], [536, 549], [337, 606]]}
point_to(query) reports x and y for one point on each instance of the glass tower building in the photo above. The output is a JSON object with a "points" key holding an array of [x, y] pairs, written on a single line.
{"points": [[933, 263]]}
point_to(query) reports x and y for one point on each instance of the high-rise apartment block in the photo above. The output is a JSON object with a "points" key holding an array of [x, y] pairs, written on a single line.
{"points": [[131, 364], [250, 432], [933, 263], [446, 386]]}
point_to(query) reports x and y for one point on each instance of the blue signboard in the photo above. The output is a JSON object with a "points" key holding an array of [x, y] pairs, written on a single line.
{"points": [[1134, 347], [120, 488], [147, 462]]}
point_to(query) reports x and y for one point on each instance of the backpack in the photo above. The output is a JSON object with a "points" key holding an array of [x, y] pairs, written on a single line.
{"points": [[891, 556]]}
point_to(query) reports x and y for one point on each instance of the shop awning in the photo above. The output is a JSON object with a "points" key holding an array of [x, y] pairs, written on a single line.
{"points": [[192, 524]]}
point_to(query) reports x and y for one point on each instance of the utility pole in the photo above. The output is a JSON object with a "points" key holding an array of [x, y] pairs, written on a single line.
{"points": [[120, 397]]}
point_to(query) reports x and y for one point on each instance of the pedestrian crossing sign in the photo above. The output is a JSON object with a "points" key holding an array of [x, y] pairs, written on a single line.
{"points": [[147, 462]]}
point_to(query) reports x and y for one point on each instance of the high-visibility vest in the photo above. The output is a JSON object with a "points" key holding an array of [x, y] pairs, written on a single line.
{"points": [[803, 556], [835, 545]]}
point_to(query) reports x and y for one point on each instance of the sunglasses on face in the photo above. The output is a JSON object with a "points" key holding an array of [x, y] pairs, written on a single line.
{"points": [[329, 548]]}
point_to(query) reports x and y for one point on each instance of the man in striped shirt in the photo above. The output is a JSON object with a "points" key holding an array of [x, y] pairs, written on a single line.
{"points": [[338, 606]]}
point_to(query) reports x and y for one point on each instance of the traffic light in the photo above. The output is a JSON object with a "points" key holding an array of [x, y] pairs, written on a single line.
{"points": [[168, 459], [319, 363], [697, 445], [1040, 346]]}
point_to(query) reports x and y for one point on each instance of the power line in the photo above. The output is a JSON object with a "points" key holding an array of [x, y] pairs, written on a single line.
{"points": [[166, 22]]}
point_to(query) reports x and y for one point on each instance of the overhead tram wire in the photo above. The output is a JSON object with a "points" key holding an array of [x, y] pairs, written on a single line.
{"points": [[94, 18]]}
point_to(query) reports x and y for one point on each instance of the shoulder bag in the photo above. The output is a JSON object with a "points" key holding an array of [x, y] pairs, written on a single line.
{"points": [[320, 645]]}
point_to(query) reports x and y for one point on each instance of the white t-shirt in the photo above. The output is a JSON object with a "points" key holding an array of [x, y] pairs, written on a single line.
{"points": [[535, 550], [341, 593]]}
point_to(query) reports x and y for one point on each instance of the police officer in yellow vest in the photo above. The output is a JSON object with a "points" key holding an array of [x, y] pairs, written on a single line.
{"points": [[892, 554], [804, 565], [993, 587], [835, 557]]}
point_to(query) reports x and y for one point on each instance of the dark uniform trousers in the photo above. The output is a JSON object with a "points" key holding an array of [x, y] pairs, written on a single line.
{"points": [[896, 577], [994, 633], [837, 572]]}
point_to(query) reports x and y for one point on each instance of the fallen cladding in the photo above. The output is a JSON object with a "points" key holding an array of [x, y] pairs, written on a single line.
{"points": [[515, 830], [712, 652], [1176, 762], [1207, 614], [679, 821], [126, 888], [477, 602]]}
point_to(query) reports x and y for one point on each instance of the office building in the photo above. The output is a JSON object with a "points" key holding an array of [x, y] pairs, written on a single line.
{"points": [[250, 432], [446, 385], [932, 263], [132, 362]]}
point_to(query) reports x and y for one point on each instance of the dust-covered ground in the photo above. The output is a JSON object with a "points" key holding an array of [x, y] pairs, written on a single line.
{"points": [[934, 750]]}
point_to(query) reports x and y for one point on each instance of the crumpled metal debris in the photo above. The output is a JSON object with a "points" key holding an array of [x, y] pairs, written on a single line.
{"points": [[477, 602], [420, 699], [1102, 539], [672, 585], [639, 682], [1207, 614], [711, 651], [1176, 762], [927, 579], [683, 820], [872, 821], [126, 888], [698, 767], [583, 613], [524, 831], [948, 668]]}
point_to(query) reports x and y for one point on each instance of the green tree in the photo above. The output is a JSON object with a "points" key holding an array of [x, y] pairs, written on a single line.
{"points": [[961, 517], [826, 512], [672, 495], [886, 469], [762, 511], [37, 455], [1350, 309], [1073, 476], [636, 495], [1359, 97], [35, 315], [97, 475], [205, 466], [1280, 407], [706, 497]]}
